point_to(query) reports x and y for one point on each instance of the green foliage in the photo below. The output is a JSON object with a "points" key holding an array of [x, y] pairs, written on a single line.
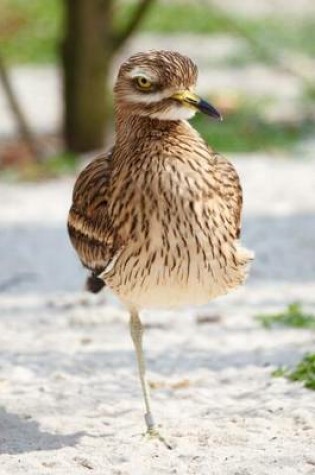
{"points": [[293, 316], [291, 34], [174, 17], [38, 39], [303, 372], [60, 164], [245, 130], [52, 167]]}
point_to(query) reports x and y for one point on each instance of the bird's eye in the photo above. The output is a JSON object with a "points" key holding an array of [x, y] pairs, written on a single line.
{"points": [[144, 83]]}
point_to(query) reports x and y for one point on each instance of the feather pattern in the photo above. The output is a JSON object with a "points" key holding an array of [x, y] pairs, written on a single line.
{"points": [[158, 217]]}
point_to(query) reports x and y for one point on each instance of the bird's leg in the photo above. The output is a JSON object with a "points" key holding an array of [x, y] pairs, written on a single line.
{"points": [[136, 331]]}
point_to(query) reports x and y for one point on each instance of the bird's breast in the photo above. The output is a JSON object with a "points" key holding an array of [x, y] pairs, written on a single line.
{"points": [[179, 253]]}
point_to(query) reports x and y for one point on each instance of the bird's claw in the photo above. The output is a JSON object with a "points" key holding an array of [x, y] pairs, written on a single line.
{"points": [[153, 433]]}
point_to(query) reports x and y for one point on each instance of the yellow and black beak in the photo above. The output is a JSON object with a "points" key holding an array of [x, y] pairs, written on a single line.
{"points": [[191, 100]]}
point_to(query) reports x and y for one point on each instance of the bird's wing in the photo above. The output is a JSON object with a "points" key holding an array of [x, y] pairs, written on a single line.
{"points": [[230, 189], [91, 232]]}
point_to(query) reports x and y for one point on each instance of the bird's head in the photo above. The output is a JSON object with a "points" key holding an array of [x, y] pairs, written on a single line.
{"points": [[160, 85]]}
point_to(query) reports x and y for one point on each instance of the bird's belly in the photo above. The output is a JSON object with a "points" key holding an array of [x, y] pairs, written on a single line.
{"points": [[168, 295], [180, 277]]}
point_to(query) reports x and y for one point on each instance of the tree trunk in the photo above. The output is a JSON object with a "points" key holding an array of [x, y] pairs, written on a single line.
{"points": [[87, 54], [24, 128]]}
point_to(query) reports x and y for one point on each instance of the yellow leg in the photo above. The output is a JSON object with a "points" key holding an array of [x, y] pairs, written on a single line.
{"points": [[136, 331]]}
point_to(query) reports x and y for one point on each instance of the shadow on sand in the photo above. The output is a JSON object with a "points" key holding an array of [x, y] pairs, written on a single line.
{"points": [[19, 435]]}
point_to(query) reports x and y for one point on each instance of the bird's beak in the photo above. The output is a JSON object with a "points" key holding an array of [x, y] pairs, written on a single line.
{"points": [[191, 100]]}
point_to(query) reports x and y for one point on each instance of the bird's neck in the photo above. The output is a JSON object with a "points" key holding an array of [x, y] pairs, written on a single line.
{"points": [[132, 129]]}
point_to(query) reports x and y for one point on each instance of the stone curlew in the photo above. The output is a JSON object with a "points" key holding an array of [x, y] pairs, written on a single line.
{"points": [[157, 218]]}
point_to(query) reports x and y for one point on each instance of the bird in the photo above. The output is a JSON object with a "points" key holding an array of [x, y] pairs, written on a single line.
{"points": [[157, 217]]}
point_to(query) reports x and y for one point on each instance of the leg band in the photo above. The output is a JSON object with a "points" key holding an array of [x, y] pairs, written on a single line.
{"points": [[149, 420]]}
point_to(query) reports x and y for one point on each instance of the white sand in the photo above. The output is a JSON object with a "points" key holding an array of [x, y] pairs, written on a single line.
{"points": [[70, 398]]}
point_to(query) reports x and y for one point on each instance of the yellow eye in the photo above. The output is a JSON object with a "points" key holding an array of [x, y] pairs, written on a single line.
{"points": [[144, 83]]}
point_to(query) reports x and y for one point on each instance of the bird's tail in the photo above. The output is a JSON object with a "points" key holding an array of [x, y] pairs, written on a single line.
{"points": [[94, 284]]}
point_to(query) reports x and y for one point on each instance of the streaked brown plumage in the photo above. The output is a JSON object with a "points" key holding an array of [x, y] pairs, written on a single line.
{"points": [[158, 217]]}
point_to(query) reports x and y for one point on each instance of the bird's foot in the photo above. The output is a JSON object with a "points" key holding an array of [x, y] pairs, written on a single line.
{"points": [[153, 433]]}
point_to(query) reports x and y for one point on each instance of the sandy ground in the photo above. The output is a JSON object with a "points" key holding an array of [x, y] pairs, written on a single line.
{"points": [[70, 398]]}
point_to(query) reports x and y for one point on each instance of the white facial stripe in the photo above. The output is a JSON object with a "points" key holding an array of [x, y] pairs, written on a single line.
{"points": [[142, 72], [148, 97], [174, 113]]}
